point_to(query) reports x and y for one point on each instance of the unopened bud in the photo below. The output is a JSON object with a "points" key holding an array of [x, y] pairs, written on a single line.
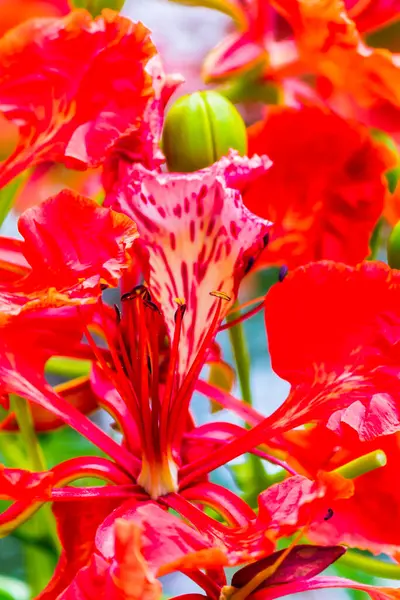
{"points": [[199, 129]]}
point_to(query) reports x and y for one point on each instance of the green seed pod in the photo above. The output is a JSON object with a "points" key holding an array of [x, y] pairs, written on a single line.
{"points": [[393, 247], [200, 128]]}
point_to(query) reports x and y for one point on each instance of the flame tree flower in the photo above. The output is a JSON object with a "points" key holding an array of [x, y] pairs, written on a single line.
{"points": [[149, 384]]}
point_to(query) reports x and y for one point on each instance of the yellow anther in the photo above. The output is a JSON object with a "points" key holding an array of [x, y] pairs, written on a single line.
{"points": [[221, 295]]}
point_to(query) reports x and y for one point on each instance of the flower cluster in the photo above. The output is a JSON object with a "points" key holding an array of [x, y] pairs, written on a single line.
{"points": [[145, 232]]}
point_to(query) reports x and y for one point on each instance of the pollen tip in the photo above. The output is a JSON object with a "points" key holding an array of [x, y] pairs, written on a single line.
{"points": [[266, 240], [139, 291], [220, 295], [283, 271], [329, 514], [180, 310], [180, 301]]}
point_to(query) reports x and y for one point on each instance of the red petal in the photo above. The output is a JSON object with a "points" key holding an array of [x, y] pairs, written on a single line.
{"points": [[77, 524], [371, 15], [235, 55], [330, 45], [128, 577], [165, 538], [13, 264], [330, 204], [61, 253], [336, 344], [299, 502], [74, 110], [320, 583], [141, 143], [15, 12], [17, 484]]}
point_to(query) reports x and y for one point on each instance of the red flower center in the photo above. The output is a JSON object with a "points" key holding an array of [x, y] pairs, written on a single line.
{"points": [[143, 366]]}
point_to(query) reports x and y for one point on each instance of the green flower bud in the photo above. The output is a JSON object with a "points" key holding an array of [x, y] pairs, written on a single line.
{"points": [[393, 247], [96, 6], [199, 129]]}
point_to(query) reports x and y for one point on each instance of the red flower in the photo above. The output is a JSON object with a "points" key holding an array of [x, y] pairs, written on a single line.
{"points": [[73, 110], [325, 190], [292, 39], [145, 382]]}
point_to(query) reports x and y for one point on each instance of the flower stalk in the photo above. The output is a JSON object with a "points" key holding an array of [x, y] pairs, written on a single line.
{"points": [[36, 457], [368, 564]]}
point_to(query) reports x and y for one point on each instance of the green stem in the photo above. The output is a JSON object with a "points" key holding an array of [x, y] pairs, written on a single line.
{"points": [[70, 368], [241, 357], [370, 565], [257, 477], [362, 465], [35, 455], [11, 452], [26, 428]]}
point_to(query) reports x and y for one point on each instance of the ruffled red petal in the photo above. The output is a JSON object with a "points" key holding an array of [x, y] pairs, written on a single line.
{"points": [[73, 110], [325, 189]]}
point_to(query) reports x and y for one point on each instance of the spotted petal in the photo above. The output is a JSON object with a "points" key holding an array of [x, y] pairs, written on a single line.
{"points": [[198, 236]]}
